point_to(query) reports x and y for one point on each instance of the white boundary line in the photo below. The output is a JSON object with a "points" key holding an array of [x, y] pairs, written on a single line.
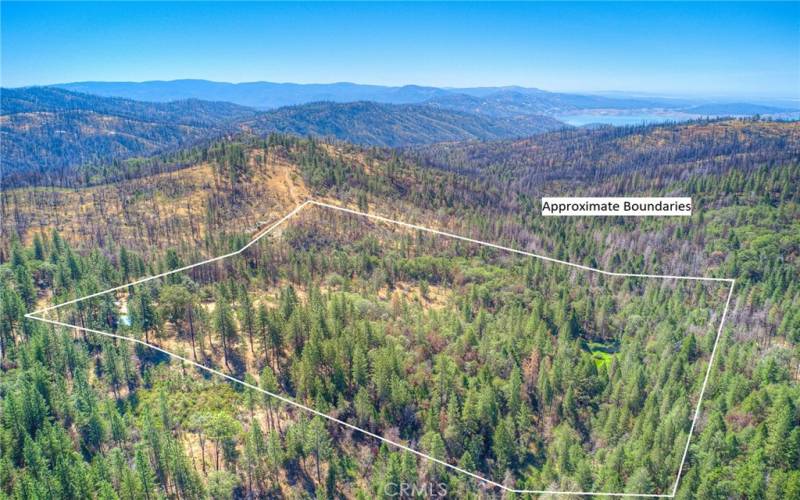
{"points": [[513, 250], [34, 315], [703, 388]]}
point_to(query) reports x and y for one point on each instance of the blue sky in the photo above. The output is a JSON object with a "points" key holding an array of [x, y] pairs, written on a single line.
{"points": [[680, 49]]}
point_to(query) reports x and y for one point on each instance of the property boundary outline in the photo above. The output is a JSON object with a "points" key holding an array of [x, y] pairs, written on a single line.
{"points": [[36, 315]]}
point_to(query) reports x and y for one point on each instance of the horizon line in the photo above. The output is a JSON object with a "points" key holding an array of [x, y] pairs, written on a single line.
{"points": [[622, 93]]}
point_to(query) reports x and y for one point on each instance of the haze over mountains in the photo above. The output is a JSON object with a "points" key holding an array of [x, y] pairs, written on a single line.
{"points": [[259, 95], [269, 95], [50, 130]]}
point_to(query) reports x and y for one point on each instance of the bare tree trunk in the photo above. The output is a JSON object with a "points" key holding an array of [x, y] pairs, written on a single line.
{"points": [[225, 352]]}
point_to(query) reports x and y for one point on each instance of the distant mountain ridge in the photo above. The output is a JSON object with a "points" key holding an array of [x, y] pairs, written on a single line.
{"points": [[50, 130], [514, 102], [47, 131], [735, 109], [504, 101], [193, 112], [268, 95], [259, 95]]}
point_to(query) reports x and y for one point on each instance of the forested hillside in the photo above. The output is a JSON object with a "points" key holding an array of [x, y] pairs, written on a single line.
{"points": [[192, 112], [397, 125], [513, 101], [48, 132], [589, 157], [528, 373]]}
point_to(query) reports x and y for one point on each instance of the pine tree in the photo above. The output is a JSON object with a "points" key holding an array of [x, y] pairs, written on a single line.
{"points": [[145, 317], [503, 447], [144, 474], [225, 326], [247, 316], [318, 443]]}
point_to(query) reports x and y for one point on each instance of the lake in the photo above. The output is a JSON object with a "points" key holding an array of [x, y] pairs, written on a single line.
{"points": [[621, 120]]}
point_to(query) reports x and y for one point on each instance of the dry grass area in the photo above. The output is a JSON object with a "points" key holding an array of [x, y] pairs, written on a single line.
{"points": [[184, 208], [743, 130], [434, 297]]}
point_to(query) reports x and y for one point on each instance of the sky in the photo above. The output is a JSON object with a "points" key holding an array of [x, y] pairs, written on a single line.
{"points": [[719, 49]]}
